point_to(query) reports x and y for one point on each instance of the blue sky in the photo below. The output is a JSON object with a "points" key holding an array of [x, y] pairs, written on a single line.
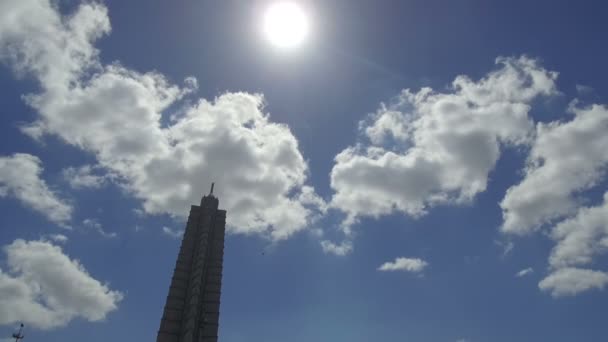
{"points": [[413, 171]]}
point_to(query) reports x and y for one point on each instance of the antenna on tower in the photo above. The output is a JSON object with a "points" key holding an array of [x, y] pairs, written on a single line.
{"points": [[212, 185], [19, 336]]}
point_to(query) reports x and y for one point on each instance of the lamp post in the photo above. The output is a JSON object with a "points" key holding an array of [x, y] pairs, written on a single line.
{"points": [[18, 335]]}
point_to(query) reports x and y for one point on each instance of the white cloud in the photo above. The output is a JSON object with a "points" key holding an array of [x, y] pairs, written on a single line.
{"points": [[115, 114], [565, 159], [34, 38], [46, 289], [430, 147], [571, 281], [578, 240], [581, 237], [414, 265], [524, 272], [344, 248], [20, 178], [84, 177], [387, 123], [93, 224], [59, 238], [174, 233]]}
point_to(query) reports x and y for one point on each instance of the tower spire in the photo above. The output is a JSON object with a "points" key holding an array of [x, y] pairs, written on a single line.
{"points": [[211, 192]]}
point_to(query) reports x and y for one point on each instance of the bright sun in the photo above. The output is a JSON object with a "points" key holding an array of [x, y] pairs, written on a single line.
{"points": [[285, 24]]}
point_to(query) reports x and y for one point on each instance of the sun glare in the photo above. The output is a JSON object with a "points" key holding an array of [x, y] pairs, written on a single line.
{"points": [[285, 24]]}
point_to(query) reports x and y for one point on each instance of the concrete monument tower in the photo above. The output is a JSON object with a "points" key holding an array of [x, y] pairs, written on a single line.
{"points": [[192, 309]]}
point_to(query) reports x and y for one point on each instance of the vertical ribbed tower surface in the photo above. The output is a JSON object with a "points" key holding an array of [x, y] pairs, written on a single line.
{"points": [[192, 309]]}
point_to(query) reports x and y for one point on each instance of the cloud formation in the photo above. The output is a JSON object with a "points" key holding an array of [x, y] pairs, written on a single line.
{"points": [[46, 289], [570, 281], [20, 178], [57, 238], [423, 149], [84, 177], [94, 225], [579, 239], [413, 265], [429, 147], [582, 237], [341, 249], [566, 159], [116, 114]]}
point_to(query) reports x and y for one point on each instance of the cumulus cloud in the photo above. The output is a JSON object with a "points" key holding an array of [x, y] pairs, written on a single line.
{"points": [[413, 265], [54, 49], [582, 237], [578, 240], [429, 147], [20, 178], [116, 114], [341, 249], [84, 177], [46, 289], [524, 272], [59, 238], [570, 281], [565, 159]]}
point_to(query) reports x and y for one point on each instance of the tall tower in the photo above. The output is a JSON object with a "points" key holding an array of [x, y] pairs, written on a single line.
{"points": [[193, 304]]}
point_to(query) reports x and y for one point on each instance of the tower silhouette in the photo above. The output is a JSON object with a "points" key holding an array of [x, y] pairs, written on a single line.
{"points": [[192, 309]]}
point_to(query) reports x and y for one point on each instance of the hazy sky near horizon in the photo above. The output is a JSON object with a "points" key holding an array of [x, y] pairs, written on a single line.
{"points": [[408, 171]]}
